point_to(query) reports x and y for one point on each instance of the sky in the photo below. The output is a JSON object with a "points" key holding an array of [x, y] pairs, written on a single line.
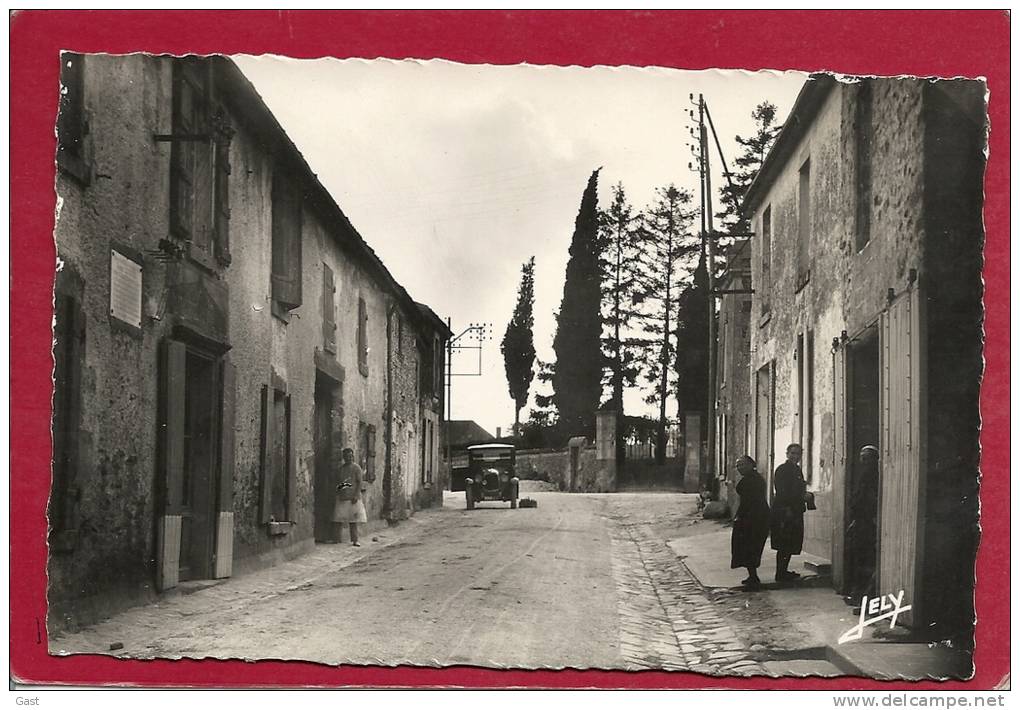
{"points": [[457, 174]]}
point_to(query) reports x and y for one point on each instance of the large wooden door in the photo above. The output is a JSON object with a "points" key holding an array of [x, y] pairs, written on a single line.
{"points": [[324, 463], [192, 458], [840, 377], [901, 512]]}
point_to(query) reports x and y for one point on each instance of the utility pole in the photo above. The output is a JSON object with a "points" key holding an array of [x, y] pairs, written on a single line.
{"points": [[710, 252]]}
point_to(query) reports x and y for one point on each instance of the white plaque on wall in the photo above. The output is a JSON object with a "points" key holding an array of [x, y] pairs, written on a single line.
{"points": [[125, 289]]}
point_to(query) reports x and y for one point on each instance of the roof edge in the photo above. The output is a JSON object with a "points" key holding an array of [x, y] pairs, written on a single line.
{"points": [[805, 108]]}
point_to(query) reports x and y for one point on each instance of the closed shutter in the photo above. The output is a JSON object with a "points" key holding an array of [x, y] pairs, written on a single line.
{"points": [[900, 505], [286, 266], [840, 362], [222, 195], [370, 458], [362, 336], [328, 310], [291, 472], [173, 424], [182, 155], [265, 489]]}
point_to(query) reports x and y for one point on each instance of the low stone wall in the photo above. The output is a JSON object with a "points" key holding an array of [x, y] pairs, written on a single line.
{"points": [[592, 476]]}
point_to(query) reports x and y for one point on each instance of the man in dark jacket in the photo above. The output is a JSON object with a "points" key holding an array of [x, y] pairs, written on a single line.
{"points": [[788, 488]]}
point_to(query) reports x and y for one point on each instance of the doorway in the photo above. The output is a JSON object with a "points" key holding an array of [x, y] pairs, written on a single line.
{"points": [[195, 484], [325, 457], [864, 480]]}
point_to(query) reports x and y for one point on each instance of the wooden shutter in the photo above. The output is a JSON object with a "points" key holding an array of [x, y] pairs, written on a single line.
{"points": [[181, 155], [286, 268], [362, 336], [70, 122], [291, 460], [222, 192], [901, 517], [227, 405], [840, 478], [328, 310], [370, 458], [266, 484]]}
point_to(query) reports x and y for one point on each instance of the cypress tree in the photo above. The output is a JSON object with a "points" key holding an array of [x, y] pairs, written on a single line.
{"points": [[577, 377], [518, 346]]}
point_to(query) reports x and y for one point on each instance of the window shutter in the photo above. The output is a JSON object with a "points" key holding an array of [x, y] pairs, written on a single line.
{"points": [[181, 155], [174, 354], [840, 378], [328, 310], [291, 461], [286, 269], [70, 123], [370, 460], [362, 337], [227, 405], [222, 190], [265, 498]]}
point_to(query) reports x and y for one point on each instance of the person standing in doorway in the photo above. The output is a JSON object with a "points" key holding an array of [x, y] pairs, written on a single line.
{"points": [[789, 489], [751, 523], [349, 507], [863, 526]]}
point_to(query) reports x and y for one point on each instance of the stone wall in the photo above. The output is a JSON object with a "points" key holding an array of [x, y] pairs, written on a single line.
{"points": [[115, 500]]}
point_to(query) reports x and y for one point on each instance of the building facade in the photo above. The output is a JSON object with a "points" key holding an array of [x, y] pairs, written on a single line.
{"points": [[866, 326], [221, 332], [732, 407]]}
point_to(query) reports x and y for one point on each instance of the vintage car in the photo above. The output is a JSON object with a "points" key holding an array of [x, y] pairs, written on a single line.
{"points": [[491, 474]]}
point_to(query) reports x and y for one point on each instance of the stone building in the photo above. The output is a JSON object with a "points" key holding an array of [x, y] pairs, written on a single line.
{"points": [[732, 407], [221, 331], [866, 326]]}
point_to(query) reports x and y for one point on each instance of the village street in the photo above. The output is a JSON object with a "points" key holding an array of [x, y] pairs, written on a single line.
{"points": [[582, 581]]}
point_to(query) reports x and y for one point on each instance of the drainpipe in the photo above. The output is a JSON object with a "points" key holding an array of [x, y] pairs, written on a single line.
{"points": [[388, 428]]}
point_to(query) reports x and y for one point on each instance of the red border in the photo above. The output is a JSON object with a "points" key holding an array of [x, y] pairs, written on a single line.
{"points": [[947, 43]]}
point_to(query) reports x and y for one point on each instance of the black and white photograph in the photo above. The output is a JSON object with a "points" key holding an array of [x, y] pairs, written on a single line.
{"points": [[377, 362]]}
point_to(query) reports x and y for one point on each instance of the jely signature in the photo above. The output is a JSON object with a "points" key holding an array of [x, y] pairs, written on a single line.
{"points": [[887, 606]]}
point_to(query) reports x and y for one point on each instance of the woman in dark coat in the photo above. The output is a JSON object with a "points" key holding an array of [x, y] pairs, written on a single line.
{"points": [[751, 524], [789, 490]]}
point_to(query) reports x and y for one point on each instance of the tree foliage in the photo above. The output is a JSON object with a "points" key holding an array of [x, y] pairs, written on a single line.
{"points": [[747, 165], [692, 344], [621, 269], [669, 250], [577, 377], [518, 346]]}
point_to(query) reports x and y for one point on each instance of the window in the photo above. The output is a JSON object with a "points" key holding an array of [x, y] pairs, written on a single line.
{"points": [[278, 464], [328, 310], [766, 258], [437, 364], [804, 225], [426, 373], [286, 266], [199, 164], [72, 126], [805, 397], [69, 352], [864, 137], [362, 337], [366, 456]]}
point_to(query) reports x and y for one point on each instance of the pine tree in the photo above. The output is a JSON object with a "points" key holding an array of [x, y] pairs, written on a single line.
{"points": [[577, 377], [518, 346], [669, 251], [620, 269], [747, 165]]}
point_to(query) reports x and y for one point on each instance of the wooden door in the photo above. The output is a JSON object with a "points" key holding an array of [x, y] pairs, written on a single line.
{"points": [[901, 505], [764, 414], [198, 474], [324, 464], [840, 480]]}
